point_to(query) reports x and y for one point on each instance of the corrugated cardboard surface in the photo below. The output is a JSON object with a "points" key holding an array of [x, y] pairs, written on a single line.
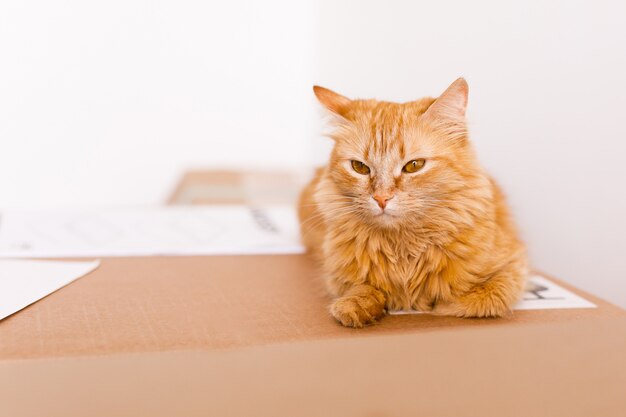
{"points": [[549, 370], [213, 302]]}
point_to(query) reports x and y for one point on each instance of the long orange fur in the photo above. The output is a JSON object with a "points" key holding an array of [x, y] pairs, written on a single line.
{"points": [[444, 242]]}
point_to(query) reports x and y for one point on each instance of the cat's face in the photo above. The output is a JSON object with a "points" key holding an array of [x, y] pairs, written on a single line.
{"points": [[394, 164]]}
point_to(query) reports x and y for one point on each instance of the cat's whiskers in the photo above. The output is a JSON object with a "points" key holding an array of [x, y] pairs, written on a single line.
{"points": [[332, 211], [315, 221], [324, 203]]}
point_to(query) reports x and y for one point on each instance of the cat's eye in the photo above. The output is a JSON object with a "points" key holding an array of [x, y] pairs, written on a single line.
{"points": [[360, 167], [414, 165]]}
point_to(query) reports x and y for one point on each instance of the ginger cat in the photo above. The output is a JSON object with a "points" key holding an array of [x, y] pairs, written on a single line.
{"points": [[404, 217]]}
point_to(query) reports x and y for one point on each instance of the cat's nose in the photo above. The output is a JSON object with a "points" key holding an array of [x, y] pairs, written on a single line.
{"points": [[382, 199]]}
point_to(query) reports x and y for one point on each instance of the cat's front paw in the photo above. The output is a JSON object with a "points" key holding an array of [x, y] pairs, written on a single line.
{"points": [[481, 302], [358, 310]]}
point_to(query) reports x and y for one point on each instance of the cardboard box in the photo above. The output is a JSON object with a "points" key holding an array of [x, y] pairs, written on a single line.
{"points": [[251, 335]]}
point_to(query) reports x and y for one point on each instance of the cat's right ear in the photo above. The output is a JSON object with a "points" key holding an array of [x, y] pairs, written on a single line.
{"points": [[451, 104], [335, 103]]}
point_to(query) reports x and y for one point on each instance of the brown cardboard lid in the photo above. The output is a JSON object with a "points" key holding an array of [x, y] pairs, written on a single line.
{"points": [[552, 369], [208, 303]]}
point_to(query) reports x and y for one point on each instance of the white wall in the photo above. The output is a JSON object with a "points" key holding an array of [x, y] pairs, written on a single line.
{"points": [[108, 102]]}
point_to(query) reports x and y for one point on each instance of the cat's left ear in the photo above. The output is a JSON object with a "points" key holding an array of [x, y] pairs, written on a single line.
{"points": [[451, 104], [334, 102]]}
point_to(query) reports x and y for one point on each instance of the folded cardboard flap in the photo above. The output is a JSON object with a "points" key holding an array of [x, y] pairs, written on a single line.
{"points": [[490, 371], [240, 187]]}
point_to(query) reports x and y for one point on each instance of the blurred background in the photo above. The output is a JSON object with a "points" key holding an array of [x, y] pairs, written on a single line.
{"points": [[109, 103]]}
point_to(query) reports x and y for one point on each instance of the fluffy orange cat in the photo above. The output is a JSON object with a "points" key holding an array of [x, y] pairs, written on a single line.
{"points": [[404, 217]]}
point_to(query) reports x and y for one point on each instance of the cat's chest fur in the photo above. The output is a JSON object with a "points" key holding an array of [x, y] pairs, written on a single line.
{"points": [[409, 272], [399, 273]]}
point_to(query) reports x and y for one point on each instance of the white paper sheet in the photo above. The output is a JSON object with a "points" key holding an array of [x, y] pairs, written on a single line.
{"points": [[541, 294], [208, 230], [22, 282]]}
